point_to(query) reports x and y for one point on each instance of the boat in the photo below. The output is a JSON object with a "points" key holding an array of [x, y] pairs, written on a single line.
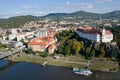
{"points": [[82, 71], [44, 64]]}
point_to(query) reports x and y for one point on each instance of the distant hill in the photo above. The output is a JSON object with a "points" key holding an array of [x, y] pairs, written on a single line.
{"points": [[15, 22], [113, 14], [75, 15], [79, 15], [2, 20], [83, 15]]}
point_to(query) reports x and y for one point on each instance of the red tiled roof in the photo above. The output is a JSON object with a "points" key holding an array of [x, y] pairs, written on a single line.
{"points": [[42, 41], [90, 30], [52, 46], [108, 32], [38, 43]]}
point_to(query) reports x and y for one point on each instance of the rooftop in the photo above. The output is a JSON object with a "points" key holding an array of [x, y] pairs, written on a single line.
{"points": [[42, 41], [91, 30]]}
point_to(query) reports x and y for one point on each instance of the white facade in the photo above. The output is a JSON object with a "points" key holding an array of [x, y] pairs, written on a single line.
{"points": [[42, 34], [94, 37], [19, 37], [98, 35], [107, 38], [18, 44], [12, 36], [14, 31]]}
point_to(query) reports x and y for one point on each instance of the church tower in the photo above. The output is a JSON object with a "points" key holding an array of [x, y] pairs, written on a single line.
{"points": [[102, 33], [102, 30]]}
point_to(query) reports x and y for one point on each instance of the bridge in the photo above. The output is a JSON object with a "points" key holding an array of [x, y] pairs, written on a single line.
{"points": [[6, 54]]}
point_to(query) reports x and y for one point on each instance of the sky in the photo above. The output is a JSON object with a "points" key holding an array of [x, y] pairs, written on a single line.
{"points": [[10, 8]]}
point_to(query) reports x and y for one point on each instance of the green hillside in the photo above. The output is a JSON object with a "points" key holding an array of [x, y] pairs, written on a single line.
{"points": [[15, 22], [83, 15]]}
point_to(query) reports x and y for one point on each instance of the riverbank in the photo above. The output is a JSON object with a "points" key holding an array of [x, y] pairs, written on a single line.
{"points": [[69, 62]]}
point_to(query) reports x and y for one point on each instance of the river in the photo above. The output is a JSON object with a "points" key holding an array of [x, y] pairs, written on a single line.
{"points": [[30, 71]]}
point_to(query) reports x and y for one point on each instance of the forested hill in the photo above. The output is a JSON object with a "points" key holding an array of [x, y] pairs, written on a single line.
{"points": [[2, 20], [83, 15], [15, 22], [75, 15], [111, 15]]}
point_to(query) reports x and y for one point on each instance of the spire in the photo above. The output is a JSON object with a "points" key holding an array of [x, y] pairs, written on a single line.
{"points": [[100, 19]]}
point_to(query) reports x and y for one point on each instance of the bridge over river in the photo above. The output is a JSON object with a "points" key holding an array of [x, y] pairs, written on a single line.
{"points": [[15, 51]]}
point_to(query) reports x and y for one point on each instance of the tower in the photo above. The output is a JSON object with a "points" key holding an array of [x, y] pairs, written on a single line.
{"points": [[100, 20], [102, 33], [102, 30]]}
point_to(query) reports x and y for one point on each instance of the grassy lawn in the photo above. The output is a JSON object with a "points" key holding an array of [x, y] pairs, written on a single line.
{"points": [[27, 58], [102, 66], [62, 62], [51, 61], [2, 49], [74, 58]]}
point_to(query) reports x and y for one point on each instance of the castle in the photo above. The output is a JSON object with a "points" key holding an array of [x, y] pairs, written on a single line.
{"points": [[95, 34]]}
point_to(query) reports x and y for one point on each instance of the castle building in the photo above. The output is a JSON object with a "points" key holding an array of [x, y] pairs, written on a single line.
{"points": [[95, 34]]}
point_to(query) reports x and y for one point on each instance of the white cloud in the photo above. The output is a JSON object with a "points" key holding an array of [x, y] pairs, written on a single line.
{"points": [[80, 5], [29, 7], [67, 3], [22, 14], [29, 13], [103, 1], [4, 16], [38, 13], [54, 9], [70, 7]]}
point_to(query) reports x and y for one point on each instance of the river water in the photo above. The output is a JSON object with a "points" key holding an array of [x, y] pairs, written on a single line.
{"points": [[29, 71]]}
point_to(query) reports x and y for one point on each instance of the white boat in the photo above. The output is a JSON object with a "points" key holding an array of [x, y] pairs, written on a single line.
{"points": [[44, 64], [82, 71]]}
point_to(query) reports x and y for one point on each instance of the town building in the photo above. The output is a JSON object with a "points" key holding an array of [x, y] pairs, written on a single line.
{"points": [[11, 44], [95, 34], [41, 32], [42, 44], [52, 48]]}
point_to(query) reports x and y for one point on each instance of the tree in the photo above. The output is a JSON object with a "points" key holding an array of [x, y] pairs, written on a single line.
{"points": [[88, 49], [93, 53], [24, 43], [82, 44], [29, 51], [61, 48], [7, 38], [113, 53], [102, 52], [8, 33], [77, 48], [15, 39], [67, 50]]}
